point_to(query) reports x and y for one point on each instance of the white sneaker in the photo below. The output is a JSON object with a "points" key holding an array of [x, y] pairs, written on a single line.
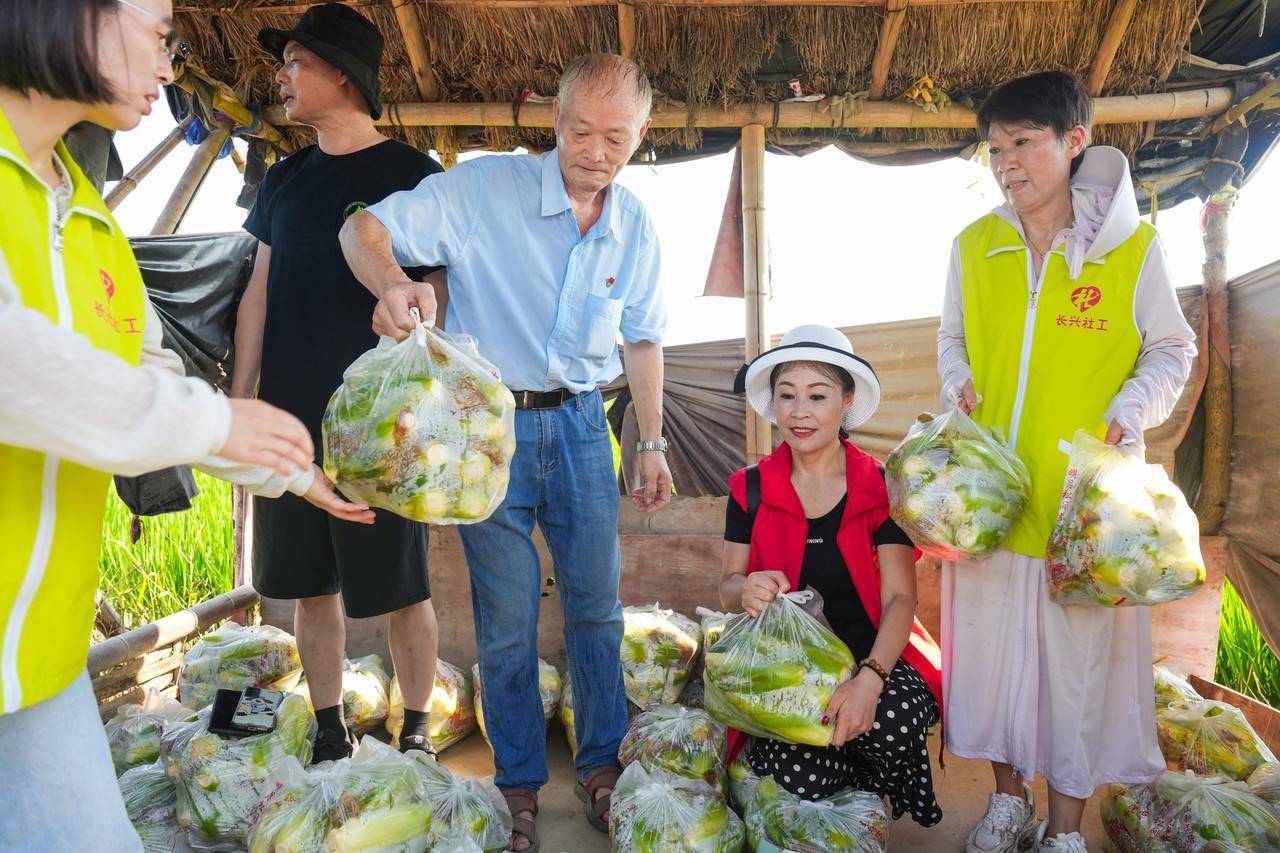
{"points": [[1008, 825], [1060, 843]]}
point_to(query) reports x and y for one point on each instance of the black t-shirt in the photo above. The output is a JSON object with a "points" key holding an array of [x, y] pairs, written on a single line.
{"points": [[319, 317], [824, 569]]}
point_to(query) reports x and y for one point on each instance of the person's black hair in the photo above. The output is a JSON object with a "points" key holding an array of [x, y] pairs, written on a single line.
{"points": [[1054, 100], [51, 47]]}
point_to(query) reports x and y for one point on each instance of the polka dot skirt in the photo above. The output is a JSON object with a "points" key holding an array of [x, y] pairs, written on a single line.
{"points": [[892, 759]]}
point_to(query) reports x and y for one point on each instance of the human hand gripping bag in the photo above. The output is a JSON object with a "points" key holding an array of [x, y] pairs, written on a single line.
{"points": [[1125, 535], [955, 487], [658, 812], [1185, 813], [372, 801], [423, 428], [683, 741], [1210, 738], [773, 675], [850, 821]]}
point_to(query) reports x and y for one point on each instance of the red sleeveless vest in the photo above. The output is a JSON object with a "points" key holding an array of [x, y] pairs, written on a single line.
{"points": [[781, 528]]}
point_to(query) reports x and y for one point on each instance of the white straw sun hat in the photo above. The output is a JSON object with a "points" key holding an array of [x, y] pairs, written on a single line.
{"points": [[812, 343]]}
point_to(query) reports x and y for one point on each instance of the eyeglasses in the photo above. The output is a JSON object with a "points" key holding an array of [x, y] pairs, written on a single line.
{"points": [[172, 45]]}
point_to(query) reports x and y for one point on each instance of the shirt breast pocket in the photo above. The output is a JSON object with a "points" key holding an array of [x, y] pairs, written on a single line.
{"points": [[599, 334]]}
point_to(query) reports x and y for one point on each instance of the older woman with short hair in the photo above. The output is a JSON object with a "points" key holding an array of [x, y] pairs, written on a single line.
{"points": [[1060, 315]]}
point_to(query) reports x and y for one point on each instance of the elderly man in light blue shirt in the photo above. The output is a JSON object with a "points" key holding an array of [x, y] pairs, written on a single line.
{"points": [[548, 261]]}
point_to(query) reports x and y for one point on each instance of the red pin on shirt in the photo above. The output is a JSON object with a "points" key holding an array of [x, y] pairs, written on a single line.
{"points": [[610, 281]]}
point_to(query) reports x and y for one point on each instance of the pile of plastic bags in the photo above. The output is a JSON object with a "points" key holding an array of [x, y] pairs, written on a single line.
{"points": [[365, 693], [1210, 738], [1125, 535], [151, 802], [235, 657], [371, 801], [657, 812], [659, 650], [1185, 813], [452, 716], [134, 732], [773, 675], [683, 741], [1171, 687], [549, 690], [423, 428], [955, 487], [849, 821], [220, 780]]}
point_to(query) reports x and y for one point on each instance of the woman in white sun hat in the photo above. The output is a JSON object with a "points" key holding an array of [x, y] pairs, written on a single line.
{"points": [[815, 513]]}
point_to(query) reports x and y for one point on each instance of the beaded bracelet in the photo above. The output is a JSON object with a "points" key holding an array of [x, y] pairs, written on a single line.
{"points": [[871, 664]]}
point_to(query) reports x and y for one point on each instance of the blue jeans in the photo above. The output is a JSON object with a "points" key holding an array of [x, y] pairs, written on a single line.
{"points": [[58, 786], [562, 478]]}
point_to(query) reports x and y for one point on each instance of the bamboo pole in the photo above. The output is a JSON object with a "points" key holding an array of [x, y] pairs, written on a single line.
{"points": [[189, 184], [627, 30], [415, 44], [130, 181], [755, 273], [168, 630], [890, 29], [1164, 106], [1116, 28], [1215, 476]]}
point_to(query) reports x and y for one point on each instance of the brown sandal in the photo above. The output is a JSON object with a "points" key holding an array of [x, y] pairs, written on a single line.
{"points": [[523, 800], [597, 809]]}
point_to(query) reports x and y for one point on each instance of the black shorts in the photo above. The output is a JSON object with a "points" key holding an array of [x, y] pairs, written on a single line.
{"points": [[300, 551]]}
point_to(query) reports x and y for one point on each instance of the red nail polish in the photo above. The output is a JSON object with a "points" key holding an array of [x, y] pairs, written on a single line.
{"points": [[826, 720]]}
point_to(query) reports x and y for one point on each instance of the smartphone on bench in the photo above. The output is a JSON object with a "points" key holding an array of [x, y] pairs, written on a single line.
{"points": [[241, 713]]}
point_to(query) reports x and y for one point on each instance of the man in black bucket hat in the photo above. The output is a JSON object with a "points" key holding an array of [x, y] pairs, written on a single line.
{"points": [[340, 36], [302, 321]]}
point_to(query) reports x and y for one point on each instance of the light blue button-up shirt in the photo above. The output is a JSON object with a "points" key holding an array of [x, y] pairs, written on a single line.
{"points": [[545, 303]]}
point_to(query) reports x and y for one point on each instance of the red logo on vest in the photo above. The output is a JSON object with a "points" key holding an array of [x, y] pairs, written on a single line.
{"points": [[107, 284], [1085, 298]]}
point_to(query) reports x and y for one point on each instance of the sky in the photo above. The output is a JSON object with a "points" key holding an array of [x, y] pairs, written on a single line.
{"points": [[850, 243]]}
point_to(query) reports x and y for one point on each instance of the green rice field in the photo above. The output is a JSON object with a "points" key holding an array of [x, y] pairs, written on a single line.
{"points": [[186, 557]]}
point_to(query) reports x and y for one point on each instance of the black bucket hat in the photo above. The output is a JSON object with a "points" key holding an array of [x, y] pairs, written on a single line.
{"points": [[340, 36]]}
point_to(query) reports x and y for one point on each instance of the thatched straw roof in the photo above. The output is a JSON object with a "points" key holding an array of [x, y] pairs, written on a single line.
{"points": [[706, 55]]}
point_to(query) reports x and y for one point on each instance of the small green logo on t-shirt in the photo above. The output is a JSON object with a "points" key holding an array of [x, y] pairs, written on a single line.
{"points": [[353, 208]]}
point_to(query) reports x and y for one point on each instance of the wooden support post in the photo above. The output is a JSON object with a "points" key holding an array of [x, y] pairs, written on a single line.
{"points": [[130, 182], [1111, 38], [755, 274], [890, 28], [189, 184], [1218, 416], [627, 30], [415, 44]]}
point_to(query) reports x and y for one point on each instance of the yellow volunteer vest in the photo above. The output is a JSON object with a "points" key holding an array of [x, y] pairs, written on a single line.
{"points": [[1048, 367], [81, 275]]}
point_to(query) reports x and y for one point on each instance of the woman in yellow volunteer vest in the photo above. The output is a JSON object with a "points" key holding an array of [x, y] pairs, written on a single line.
{"points": [[86, 390], [1059, 315]]}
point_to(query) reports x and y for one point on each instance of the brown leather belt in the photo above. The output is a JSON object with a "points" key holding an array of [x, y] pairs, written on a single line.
{"points": [[541, 399]]}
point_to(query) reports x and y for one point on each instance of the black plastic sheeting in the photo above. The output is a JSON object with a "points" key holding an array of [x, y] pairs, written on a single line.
{"points": [[195, 282]]}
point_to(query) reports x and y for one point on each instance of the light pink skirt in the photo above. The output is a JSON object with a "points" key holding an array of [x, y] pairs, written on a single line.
{"points": [[1063, 691]]}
